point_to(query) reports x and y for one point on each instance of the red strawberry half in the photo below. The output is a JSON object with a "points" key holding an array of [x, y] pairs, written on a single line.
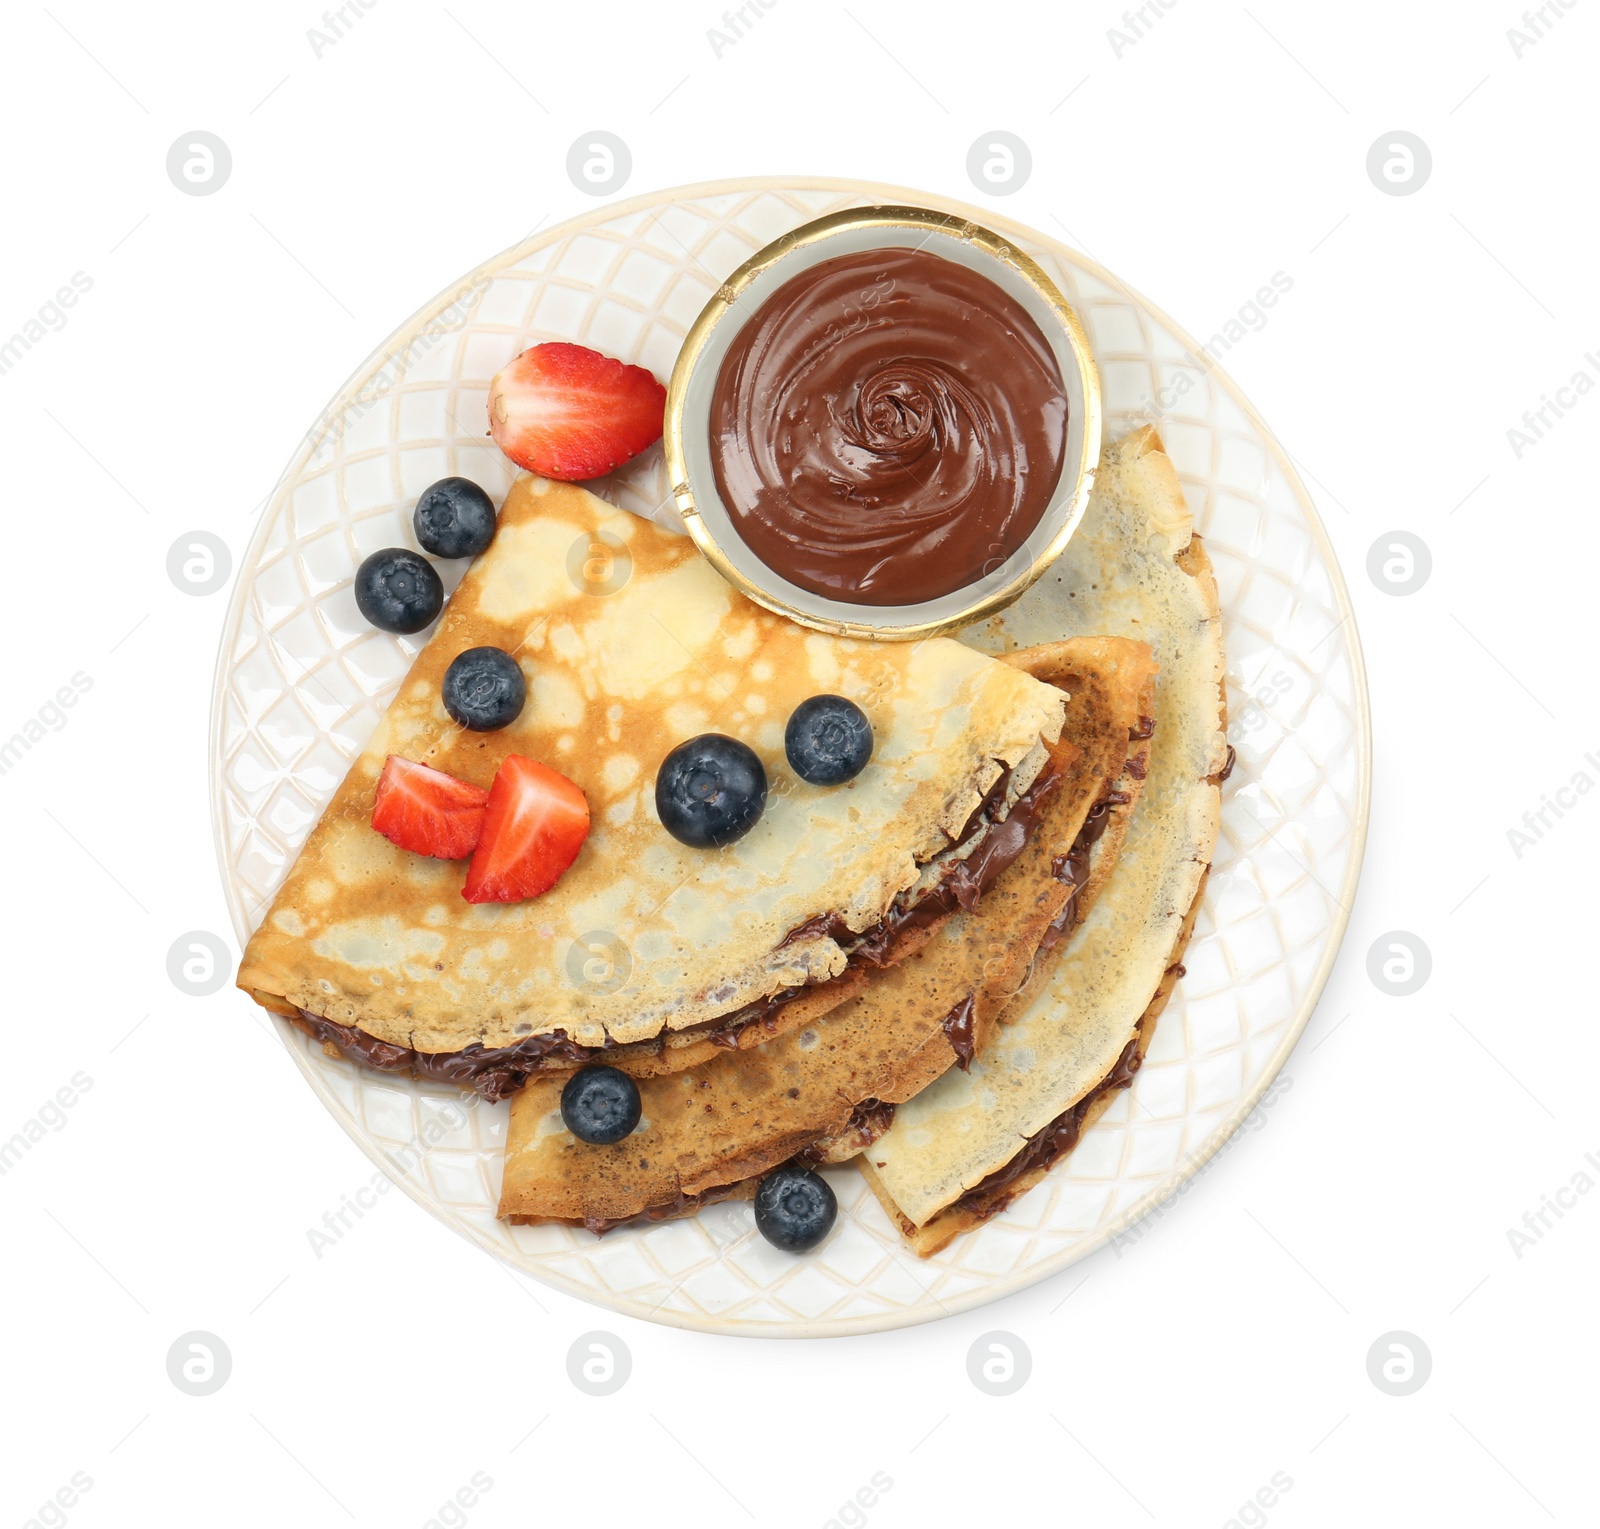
{"points": [[533, 828], [425, 810], [565, 411]]}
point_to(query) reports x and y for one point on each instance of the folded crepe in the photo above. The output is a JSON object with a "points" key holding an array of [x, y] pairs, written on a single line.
{"points": [[646, 948], [967, 1146], [824, 1091]]}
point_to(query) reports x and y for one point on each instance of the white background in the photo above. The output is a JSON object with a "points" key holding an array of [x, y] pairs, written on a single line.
{"points": [[1169, 1383]]}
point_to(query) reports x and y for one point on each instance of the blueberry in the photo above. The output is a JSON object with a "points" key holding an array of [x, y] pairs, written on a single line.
{"points": [[828, 740], [795, 1209], [600, 1105], [710, 791], [454, 518], [484, 689], [398, 591]]}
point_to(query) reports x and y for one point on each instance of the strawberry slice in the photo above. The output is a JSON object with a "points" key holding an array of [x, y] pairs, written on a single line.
{"points": [[425, 810], [533, 828], [565, 411]]}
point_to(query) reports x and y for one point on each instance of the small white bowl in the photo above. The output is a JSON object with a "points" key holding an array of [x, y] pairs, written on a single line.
{"points": [[694, 378]]}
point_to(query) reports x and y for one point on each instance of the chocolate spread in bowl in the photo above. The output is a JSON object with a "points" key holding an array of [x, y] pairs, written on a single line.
{"points": [[887, 427]]}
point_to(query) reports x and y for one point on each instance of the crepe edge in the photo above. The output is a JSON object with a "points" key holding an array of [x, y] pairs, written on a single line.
{"points": [[941, 1229], [945, 1224], [929, 1060], [1033, 718]]}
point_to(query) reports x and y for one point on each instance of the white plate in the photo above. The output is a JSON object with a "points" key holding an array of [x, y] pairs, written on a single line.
{"points": [[302, 681]]}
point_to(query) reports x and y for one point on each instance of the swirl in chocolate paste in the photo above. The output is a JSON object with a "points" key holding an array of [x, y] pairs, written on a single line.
{"points": [[888, 427]]}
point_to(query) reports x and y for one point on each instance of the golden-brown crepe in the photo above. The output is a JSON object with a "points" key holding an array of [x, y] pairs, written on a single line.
{"points": [[965, 1147], [825, 1088], [631, 643], [1046, 1148]]}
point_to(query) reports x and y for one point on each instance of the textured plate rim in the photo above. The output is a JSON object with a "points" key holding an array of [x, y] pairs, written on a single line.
{"points": [[1194, 1160]]}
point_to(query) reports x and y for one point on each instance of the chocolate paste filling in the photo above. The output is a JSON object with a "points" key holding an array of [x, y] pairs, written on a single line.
{"points": [[868, 1121], [1049, 1146], [959, 1029], [872, 1117], [683, 1205], [1072, 868], [498, 1072], [1055, 1140], [495, 1072]]}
